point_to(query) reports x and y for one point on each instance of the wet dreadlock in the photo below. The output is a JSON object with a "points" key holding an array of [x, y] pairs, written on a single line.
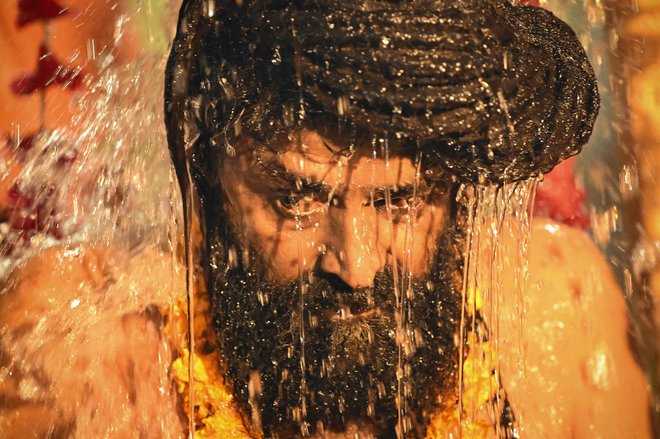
{"points": [[491, 91]]}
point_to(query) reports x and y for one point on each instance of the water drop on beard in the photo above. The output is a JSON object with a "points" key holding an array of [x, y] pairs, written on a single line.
{"points": [[210, 8], [254, 391], [277, 57], [232, 257], [230, 150], [341, 404], [342, 105]]}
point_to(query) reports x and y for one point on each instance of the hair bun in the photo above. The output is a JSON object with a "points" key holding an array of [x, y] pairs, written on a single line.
{"points": [[490, 91]]}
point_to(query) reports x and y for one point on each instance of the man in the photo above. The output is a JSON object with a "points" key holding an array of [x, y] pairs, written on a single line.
{"points": [[322, 141], [319, 138]]}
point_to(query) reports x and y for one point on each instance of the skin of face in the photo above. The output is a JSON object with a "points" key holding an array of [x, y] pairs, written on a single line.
{"points": [[327, 211]]}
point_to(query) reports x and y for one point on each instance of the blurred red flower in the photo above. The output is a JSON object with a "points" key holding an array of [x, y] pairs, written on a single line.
{"points": [[34, 10], [49, 72], [560, 198]]}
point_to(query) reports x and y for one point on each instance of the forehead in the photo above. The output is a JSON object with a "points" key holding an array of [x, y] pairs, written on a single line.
{"points": [[315, 158]]}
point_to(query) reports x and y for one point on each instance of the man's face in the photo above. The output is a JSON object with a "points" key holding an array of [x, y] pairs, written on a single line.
{"points": [[334, 269], [311, 207]]}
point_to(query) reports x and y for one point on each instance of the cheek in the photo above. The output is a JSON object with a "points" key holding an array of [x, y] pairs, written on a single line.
{"points": [[416, 245], [285, 254], [281, 248]]}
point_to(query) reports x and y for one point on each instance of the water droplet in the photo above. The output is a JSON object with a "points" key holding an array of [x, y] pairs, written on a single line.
{"points": [[600, 368], [277, 56], [210, 8]]}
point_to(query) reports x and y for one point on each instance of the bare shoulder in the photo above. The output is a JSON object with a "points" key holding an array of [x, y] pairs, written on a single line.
{"points": [[59, 280], [81, 341], [50, 279], [581, 379]]}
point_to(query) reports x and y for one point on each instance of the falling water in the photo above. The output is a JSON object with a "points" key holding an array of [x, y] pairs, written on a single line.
{"points": [[111, 224], [497, 237], [189, 246], [302, 288], [400, 303]]}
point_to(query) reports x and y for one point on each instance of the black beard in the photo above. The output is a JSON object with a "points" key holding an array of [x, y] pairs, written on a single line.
{"points": [[350, 364]]}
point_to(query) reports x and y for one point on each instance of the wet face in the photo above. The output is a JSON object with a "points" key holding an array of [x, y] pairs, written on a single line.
{"points": [[313, 207], [335, 265]]}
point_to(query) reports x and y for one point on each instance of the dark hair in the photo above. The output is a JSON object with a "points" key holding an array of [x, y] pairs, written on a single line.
{"points": [[491, 91]]}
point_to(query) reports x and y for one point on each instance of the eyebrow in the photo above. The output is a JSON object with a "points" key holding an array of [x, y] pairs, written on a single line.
{"points": [[273, 169], [408, 190]]}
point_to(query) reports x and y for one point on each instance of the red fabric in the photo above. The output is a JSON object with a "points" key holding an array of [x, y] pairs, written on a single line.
{"points": [[559, 197], [34, 10], [530, 2], [49, 72]]}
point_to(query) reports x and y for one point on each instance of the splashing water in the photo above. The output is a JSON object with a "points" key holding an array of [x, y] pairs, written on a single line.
{"points": [[107, 250]]}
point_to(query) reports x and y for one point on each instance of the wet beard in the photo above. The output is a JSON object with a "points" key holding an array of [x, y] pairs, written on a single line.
{"points": [[351, 364]]}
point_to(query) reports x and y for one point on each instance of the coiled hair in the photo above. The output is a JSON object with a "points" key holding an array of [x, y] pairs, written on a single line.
{"points": [[490, 91]]}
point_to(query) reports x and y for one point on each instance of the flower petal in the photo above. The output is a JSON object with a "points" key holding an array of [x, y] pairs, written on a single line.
{"points": [[24, 85], [560, 198], [34, 10], [49, 72]]}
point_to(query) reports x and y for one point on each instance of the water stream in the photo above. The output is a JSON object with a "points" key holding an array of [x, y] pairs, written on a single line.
{"points": [[497, 236]]}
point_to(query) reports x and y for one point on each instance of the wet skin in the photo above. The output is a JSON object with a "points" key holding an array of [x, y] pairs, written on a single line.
{"points": [[327, 211]]}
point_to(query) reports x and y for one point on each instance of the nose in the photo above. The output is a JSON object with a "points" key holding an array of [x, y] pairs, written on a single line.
{"points": [[353, 252]]}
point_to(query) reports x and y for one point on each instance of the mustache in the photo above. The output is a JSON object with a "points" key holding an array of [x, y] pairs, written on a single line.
{"points": [[323, 292]]}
